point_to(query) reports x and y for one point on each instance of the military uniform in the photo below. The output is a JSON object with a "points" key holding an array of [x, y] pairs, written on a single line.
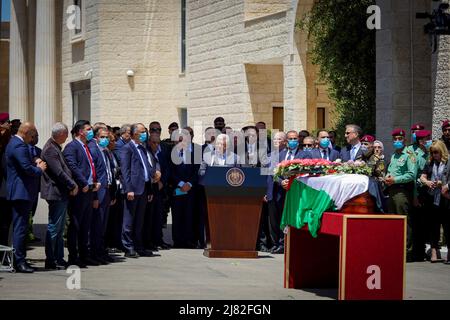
{"points": [[403, 168]]}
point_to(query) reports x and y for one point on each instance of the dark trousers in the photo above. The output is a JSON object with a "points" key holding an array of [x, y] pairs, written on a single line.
{"points": [[419, 226], [275, 209], [21, 213], [133, 222], [115, 220], [80, 216], [5, 221], [438, 215], [153, 234], [99, 223], [400, 200], [200, 217], [54, 242], [264, 232], [182, 209]]}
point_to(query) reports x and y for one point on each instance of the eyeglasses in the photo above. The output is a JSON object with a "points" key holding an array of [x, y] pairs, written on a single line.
{"points": [[446, 130], [307, 145], [347, 133], [155, 129]]}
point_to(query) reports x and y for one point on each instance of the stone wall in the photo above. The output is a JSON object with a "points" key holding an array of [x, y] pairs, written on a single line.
{"points": [[4, 75]]}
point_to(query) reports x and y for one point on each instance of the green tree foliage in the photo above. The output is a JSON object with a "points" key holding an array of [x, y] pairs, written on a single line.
{"points": [[344, 50]]}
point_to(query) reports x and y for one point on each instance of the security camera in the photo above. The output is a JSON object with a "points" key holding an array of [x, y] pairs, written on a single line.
{"points": [[130, 73]]}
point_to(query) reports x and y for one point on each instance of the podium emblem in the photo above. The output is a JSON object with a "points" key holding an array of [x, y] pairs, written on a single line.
{"points": [[235, 177]]}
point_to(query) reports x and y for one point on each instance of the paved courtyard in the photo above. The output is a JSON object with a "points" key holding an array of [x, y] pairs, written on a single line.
{"points": [[187, 274]]}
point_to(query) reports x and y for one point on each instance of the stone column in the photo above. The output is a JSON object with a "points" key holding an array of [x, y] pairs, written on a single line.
{"points": [[18, 84], [45, 70], [441, 83]]}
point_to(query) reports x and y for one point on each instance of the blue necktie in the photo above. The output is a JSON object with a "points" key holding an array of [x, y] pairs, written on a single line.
{"points": [[144, 157]]}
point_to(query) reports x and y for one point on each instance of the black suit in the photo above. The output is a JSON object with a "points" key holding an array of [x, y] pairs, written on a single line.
{"points": [[345, 153], [185, 171]]}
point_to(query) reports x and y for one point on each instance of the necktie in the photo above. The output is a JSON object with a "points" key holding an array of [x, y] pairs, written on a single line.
{"points": [[181, 155], [324, 154], [91, 163], [108, 166], [144, 157], [352, 153], [290, 155]]}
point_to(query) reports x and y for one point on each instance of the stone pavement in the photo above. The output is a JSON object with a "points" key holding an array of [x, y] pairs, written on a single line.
{"points": [[187, 274]]}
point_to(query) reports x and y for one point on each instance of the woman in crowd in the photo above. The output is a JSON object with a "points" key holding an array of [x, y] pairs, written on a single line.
{"points": [[436, 203]]}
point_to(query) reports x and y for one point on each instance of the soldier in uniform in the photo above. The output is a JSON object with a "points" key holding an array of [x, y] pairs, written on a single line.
{"points": [[446, 133], [422, 147], [401, 174], [414, 128]]}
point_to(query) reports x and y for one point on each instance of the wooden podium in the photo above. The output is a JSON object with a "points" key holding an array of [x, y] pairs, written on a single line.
{"points": [[234, 198]]}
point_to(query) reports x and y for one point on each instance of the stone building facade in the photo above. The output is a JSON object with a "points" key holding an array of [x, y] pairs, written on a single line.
{"points": [[174, 60]]}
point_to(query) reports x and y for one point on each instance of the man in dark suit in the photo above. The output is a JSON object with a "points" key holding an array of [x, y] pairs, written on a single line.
{"points": [[333, 135], [159, 157], [57, 185], [35, 153], [274, 196], [354, 150], [125, 137], [102, 199], [324, 151], [21, 172], [184, 176], [81, 164], [137, 174]]}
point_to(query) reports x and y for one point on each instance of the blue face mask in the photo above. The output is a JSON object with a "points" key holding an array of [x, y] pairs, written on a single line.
{"points": [[103, 142], [90, 135], [413, 137], [143, 137], [324, 143], [398, 145], [307, 149], [293, 144], [428, 144]]}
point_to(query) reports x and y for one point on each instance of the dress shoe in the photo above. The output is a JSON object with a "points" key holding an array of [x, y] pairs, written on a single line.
{"points": [[164, 246], [101, 261], [76, 262], [90, 261], [24, 268], [278, 250], [145, 253], [61, 265], [263, 248], [50, 265], [108, 258], [131, 254]]}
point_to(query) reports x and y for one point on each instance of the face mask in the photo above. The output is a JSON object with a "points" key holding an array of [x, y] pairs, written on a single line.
{"points": [[413, 137], [103, 142], [398, 145], [307, 149], [90, 135], [428, 144], [324, 143], [143, 137], [293, 144]]}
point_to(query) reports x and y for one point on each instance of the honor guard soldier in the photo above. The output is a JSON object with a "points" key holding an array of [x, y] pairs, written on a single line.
{"points": [[414, 128], [401, 174]]}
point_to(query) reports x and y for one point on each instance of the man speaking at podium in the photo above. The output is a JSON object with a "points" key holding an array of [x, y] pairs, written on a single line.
{"points": [[221, 156]]}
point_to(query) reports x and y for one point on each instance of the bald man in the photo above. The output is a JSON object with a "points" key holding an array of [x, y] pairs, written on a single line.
{"points": [[21, 173]]}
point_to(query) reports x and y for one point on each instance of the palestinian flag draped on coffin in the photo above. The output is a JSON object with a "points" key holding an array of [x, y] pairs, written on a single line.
{"points": [[309, 197]]}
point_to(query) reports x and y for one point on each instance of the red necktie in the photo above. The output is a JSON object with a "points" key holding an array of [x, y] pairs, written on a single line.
{"points": [[94, 175]]}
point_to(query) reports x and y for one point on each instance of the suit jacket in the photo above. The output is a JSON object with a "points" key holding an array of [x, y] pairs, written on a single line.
{"points": [[163, 158], [99, 163], [37, 180], [20, 171], [272, 187], [186, 172], [210, 160], [56, 182], [78, 163], [133, 174], [317, 154], [119, 144], [113, 188], [345, 153], [299, 154]]}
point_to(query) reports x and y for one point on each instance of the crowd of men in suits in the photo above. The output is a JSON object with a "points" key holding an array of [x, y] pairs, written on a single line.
{"points": [[117, 185]]}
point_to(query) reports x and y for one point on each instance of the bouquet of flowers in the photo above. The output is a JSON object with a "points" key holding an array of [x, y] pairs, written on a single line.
{"points": [[320, 167]]}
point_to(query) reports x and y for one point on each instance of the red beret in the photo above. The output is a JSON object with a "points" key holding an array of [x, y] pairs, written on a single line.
{"points": [[368, 138], [398, 132], [445, 123], [4, 116], [417, 126], [423, 134]]}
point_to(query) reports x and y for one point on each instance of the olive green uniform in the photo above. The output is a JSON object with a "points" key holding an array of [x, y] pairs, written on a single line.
{"points": [[403, 168]]}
